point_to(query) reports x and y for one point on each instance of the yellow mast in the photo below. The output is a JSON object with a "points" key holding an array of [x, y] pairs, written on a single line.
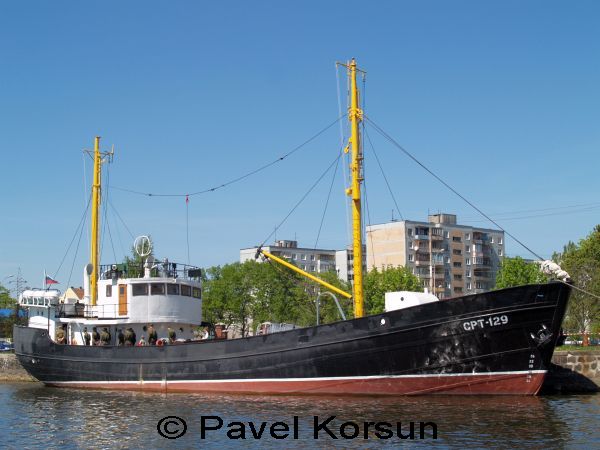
{"points": [[96, 198], [96, 191], [355, 115]]}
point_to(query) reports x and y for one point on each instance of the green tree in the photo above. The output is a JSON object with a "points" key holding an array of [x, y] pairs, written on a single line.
{"points": [[389, 279], [6, 323], [516, 272], [6, 301], [582, 262]]}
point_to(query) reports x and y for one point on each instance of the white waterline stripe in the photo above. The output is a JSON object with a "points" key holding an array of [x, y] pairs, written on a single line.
{"points": [[272, 380]]}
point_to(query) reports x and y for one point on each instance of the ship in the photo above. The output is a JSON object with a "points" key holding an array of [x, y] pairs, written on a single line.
{"points": [[499, 342]]}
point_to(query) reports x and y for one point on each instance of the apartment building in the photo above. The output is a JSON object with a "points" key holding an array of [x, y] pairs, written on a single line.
{"points": [[450, 259], [309, 259]]}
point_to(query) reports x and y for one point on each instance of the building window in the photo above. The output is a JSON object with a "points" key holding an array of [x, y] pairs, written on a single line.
{"points": [[457, 264], [469, 285], [457, 251], [499, 252], [173, 289], [456, 239], [294, 256], [139, 289], [447, 260], [312, 257], [499, 240], [312, 268], [186, 290], [410, 231], [109, 290], [157, 289], [468, 248], [411, 257], [303, 257], [196, 292], [458, 289], [467, 236], [447, 234], [468, 273], [457, 277], [448, 285], [468, 261]]}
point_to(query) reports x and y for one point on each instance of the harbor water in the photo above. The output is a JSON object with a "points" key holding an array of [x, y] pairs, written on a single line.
{"points": [[34, 416]]}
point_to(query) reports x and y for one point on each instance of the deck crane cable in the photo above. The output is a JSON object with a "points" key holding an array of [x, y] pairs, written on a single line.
{"points": [[241, 177], [335, 171], [387, 183], [81, 223], [337, 158], [407, 153], [396, 144]]}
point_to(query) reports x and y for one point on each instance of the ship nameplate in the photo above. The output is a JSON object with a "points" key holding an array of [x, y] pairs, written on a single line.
{"points": [[492, 321]]}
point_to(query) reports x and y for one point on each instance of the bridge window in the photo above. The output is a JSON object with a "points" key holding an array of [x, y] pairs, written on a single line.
{"points": [[186, 290], [109, 290], [196, 292], [139, 289], [173, 289], [157, 289]]}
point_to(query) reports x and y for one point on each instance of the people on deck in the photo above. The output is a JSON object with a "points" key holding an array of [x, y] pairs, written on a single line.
{"points": [[152, 335], [105, 337], [60, 337], [87, 337], [172, 335], [120, 338], [95, 337], [142, 342]]}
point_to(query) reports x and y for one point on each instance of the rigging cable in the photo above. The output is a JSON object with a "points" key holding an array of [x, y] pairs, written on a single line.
{"points": [[75, 255], [303, 197], [407, 153], [121, 219], [241, 177], [81, 221], [383, 173], [345, 165], [187, 226], [327, 202]]}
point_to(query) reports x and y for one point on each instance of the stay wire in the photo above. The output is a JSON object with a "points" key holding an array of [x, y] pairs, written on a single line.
{"points": [[303, 197], [81, 221], [407, 153], [241, 177], [75, 255], [387, 183], [327, 201], [121, 219]]}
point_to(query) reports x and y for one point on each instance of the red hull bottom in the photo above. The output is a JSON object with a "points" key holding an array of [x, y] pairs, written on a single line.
{"points": [[499, 383]]}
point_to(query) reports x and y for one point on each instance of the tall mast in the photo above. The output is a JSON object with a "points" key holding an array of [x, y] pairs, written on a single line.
{"points": [[96, 191], [355, 115]]}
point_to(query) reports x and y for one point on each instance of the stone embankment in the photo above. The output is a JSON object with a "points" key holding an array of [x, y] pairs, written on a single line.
{"points": [[11, 370], [571, 372]]}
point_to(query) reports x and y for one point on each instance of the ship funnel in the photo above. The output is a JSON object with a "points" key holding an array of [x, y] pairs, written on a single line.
{"points": [[87, 271]]}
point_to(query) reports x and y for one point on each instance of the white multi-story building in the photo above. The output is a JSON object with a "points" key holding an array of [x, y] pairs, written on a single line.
{"points": [[450, 259], [308, 259]]}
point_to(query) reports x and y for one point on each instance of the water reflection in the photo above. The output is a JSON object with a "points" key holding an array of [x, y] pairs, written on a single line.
{"points": [[33, 416]]}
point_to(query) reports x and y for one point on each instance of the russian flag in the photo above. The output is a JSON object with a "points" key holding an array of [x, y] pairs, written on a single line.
{"points": [[50, 280]]}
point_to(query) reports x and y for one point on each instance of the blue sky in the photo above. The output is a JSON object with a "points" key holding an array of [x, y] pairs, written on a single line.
{"points": [[499, 98]]}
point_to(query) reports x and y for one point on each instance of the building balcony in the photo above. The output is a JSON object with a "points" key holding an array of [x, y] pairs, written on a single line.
{"points": [[421, 237], [421, 263]]}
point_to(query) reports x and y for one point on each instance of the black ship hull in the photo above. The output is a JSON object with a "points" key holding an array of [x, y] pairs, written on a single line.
{"points": [[499, 342]]}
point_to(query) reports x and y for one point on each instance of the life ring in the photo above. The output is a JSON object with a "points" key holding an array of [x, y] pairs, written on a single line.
{"points": [[160, 343]]}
